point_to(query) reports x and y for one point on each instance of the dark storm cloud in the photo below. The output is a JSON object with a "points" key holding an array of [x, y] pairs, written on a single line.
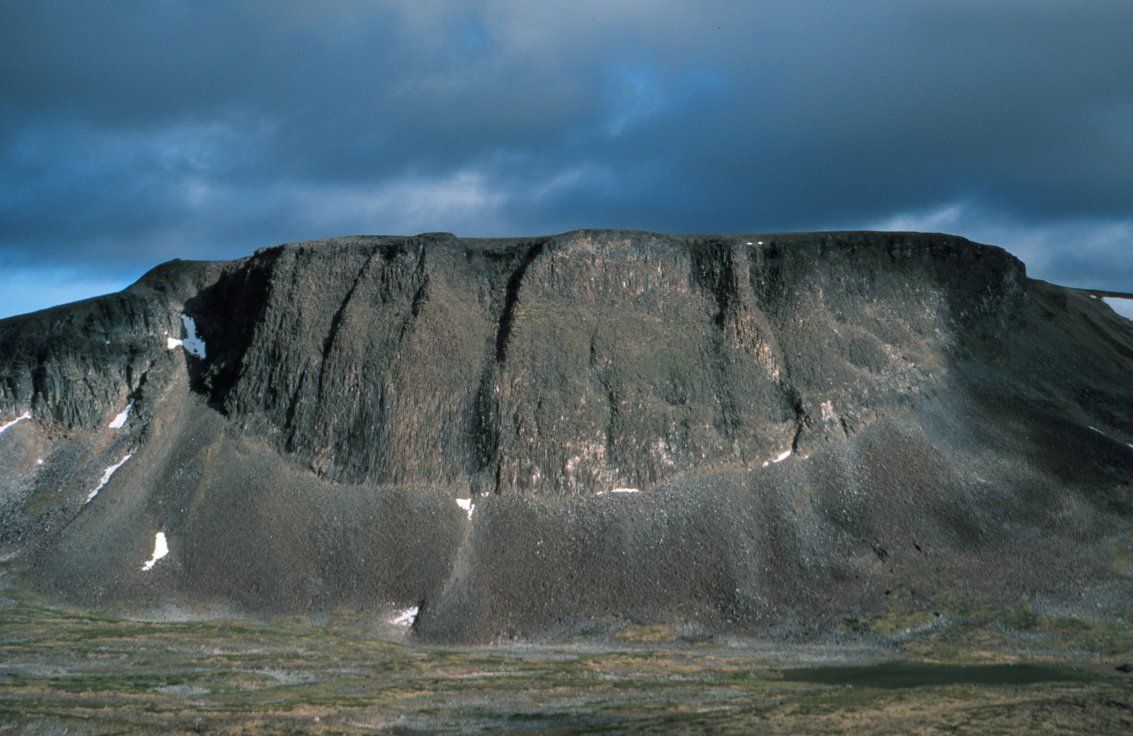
{"points": [[135, 132]]}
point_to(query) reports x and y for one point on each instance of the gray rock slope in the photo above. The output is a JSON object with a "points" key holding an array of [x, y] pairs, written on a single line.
{"points": [[768, 432]]}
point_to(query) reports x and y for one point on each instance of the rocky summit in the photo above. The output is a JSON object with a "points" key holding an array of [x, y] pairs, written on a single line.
{"points": [[544, 437]]}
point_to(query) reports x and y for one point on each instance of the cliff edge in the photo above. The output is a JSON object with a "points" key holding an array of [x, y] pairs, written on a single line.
{"points": [[527, 436]]}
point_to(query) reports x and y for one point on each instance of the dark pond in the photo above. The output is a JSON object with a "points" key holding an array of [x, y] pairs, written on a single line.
{"points": [[908, 674]]}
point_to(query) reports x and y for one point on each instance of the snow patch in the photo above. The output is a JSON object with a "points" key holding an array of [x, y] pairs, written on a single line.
{"points": [[192, 343], [17, 420], [106, 477], [1098, 431], [39, 461], [618, 490], [405, 617], [781, 456], [172, 343], [1123, 307], [120, 420], [469, 507], [160, 549]]}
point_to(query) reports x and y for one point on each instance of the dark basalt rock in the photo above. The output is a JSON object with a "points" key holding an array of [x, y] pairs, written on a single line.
{"points": [[786, 405]]}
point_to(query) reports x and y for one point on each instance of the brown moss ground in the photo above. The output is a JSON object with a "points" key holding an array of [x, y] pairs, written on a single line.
{"points": [[98, 672]]}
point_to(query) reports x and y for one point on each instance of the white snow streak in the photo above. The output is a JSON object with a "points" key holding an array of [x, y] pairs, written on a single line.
{"points": [[618, 490], [20, 418], [469, 507], [120, 420], [193, 344], [160, 549], [405, 617], [778, 458], [1103, 434], [172, 343], [106, 477]]}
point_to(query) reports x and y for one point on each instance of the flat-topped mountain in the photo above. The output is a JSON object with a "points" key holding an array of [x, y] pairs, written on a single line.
{"points": [[549, 435]]}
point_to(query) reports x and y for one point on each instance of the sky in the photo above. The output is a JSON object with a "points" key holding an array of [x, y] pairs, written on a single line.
{"points": [[136, 131]]}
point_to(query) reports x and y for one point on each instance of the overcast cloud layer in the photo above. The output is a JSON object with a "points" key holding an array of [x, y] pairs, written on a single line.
{"points": [[136, 132]]}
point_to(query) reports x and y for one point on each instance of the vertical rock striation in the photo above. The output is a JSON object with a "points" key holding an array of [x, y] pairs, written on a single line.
{"points": [[810, 422], [578, 363]]}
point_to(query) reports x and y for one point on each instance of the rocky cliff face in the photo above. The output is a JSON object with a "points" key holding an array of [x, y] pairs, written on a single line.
{"points": [[784, 406], [560, 366]]}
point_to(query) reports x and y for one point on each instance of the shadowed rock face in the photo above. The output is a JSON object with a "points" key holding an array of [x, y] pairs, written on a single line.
{"points": [[815, 423]]}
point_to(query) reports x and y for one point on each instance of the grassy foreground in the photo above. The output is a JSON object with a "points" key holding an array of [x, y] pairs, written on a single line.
{"points": [[66, 670]]}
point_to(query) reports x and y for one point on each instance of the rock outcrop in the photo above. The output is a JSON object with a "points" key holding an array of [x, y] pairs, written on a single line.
{"points": [[796, 425]]}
